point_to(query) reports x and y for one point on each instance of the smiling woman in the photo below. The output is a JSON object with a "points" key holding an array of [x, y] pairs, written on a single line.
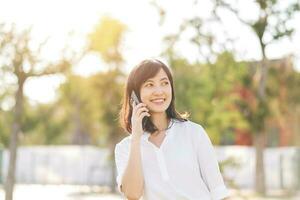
{"points": [[165, 156], [152, 81]]}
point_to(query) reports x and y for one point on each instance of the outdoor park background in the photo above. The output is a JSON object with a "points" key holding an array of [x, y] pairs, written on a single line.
{"points": [[63, 65]]}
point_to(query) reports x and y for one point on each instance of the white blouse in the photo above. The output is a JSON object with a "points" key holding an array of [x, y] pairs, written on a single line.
{"points": [[184, 167]]}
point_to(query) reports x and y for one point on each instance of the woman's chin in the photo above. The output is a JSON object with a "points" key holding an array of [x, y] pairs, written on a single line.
{"points": [[157, 110]]}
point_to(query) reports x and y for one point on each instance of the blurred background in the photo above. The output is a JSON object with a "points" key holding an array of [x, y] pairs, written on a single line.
{"points": [[63, 66]]}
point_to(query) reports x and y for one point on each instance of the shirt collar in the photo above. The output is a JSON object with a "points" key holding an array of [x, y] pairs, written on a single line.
{"points": [[146, 134]]}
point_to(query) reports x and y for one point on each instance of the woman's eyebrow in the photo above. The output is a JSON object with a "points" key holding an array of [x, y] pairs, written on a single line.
{"points": [[164, 78]]}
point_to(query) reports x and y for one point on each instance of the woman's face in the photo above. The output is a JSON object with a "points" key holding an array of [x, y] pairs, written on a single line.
{"points": [[156, 92]]}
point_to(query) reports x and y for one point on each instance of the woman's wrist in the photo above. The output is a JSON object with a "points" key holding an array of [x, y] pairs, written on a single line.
{"points": [[136, 138]]}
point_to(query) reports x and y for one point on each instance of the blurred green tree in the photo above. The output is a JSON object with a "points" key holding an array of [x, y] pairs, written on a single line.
{"points": [[82, 108], [270, 25], [44, 124], [21, 59], [208, 93], [106, 39]]}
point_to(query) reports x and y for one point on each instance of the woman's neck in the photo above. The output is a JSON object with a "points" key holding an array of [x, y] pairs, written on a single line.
{"points": [[160, 120]]}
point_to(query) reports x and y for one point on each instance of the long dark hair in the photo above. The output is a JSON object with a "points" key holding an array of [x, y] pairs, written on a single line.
{"points": [[139, 75]]}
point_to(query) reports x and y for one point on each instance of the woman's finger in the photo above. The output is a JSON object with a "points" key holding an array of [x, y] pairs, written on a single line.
{"points": [[142, 115], [141, 110], [137, 107]]}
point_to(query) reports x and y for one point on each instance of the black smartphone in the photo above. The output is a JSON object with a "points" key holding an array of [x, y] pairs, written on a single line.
{"points": [[136, 101], [134, 98]]}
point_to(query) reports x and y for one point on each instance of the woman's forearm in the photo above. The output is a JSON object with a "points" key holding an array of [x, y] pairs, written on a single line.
{"points": [[133, 180]]}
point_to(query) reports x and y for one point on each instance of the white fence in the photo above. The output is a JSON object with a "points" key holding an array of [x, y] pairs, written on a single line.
{"points": [[61, 165], [89, 165], [282, 166]]}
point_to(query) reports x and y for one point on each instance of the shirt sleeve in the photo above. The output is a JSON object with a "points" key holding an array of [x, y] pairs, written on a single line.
{"points": [[209, 167], [121, 160]]}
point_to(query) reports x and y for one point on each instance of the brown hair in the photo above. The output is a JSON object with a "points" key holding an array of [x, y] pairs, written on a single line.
{"points": [[139, 75]]}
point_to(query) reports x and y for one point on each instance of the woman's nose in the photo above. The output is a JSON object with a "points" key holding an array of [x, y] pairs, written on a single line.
{"points": [[158, 90]]}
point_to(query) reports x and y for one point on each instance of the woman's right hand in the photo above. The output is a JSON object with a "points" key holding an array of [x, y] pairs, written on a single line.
{"points": [[138, 113]]}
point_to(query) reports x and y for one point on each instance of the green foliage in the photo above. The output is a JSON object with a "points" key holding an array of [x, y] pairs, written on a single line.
{"points": [[208, 93], [87, 109], [293, 94], [44, 124], [81, 108], [23, 61], [106, 39], [5, 128], [108, 87]]}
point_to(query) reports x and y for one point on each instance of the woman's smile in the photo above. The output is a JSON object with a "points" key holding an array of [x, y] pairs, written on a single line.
{"points": [[158, 101]]}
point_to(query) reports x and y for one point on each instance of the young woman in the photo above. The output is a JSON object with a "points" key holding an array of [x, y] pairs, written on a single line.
{"points": [[165, 157]]}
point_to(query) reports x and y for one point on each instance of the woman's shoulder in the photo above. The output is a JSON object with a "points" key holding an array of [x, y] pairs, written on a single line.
{"points": [[189, 124], [193, 129], [124, 142]]}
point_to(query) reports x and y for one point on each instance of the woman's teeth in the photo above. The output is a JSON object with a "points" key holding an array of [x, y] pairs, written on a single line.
{"points": [[158, 100]]}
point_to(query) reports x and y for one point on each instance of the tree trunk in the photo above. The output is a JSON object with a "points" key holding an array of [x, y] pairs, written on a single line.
{"points": [[259, 143], [113, 170], [259, 139], [112, 142], [79, 136], [16, 130], [297, 129]]}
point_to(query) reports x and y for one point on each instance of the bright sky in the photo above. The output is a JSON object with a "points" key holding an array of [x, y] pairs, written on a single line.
{"points": [[55, 18]]}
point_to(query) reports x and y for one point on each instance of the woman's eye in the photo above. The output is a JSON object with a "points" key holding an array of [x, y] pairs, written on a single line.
{"points": [[165, 83], [148, 85]]}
